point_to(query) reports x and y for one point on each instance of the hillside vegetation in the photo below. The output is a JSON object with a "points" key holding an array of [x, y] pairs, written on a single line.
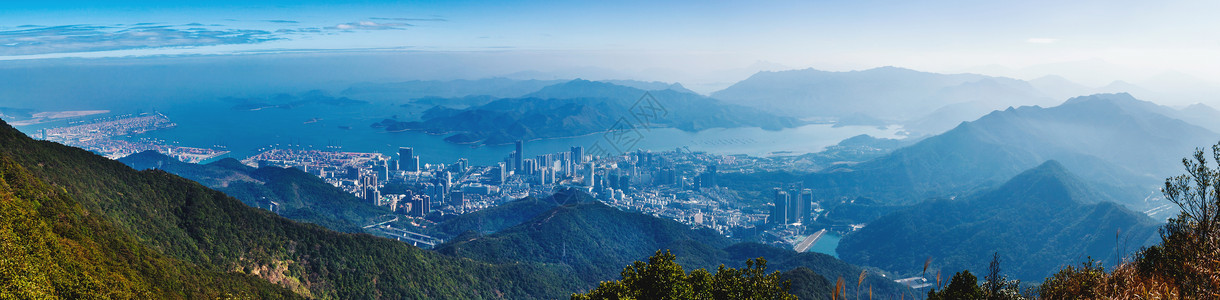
{"points": [[183, 220]]}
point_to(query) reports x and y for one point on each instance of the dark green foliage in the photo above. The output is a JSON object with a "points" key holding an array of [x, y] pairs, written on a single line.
{"points": [[1083, 282], [1040, 220], [301, 196], [663, 278], [594, 241], [506, 215], [808, 285], [822, 264], [186, 221], [964, 286], [53, 248]]}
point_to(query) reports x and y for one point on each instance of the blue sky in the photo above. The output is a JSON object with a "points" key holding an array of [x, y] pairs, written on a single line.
{"points": [[1136, 37]]}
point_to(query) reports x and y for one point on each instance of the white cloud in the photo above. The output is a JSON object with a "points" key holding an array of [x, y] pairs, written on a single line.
{"points": [[1041, 40]]}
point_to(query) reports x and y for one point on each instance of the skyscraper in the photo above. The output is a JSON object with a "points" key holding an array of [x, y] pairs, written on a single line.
{"points": [[519, 157], [421, 205], [591, 175], [407, 161], [406, 152], [578, 154], [528, 166], [805, 209], [779, 214], [498, 173]]}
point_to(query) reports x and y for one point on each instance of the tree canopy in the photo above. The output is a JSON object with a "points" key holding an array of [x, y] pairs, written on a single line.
{"points": [[662, 278]]}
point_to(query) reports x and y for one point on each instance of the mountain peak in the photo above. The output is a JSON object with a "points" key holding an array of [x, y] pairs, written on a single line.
{"points": [[1047, 185], [580, 88]]}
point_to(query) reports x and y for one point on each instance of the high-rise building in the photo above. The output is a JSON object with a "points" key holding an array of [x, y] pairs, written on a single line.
{"points": [[519, 157], [367, 188], [497, 173], [421, 205], [528, 166], [458, 200], [565, 163], [804, 210], [405, 152], [708, 178], [591, 175], [793, 203], [407, 161], [463, 165], [445, 181], [578, 154], [779, 214]]}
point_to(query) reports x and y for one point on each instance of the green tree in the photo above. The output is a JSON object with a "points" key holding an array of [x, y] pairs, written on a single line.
{"points": [[1189, 254], [964, 286], [662, 278], [996, 286]]}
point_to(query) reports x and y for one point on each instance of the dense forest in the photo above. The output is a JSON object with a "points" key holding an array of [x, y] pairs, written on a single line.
{"points": [[196, 227]]}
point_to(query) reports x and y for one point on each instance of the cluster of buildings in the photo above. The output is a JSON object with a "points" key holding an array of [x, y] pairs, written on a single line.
{"points": [[102, 136], [793, 208], [680, 185]]}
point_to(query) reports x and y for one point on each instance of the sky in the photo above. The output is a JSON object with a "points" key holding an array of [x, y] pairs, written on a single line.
{"points": [[1090, 42]]}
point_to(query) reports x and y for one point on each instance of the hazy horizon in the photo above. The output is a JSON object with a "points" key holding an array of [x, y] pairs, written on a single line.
{"points": [[704, 46]]}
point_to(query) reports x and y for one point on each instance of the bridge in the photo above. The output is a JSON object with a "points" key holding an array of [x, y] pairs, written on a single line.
{"points": [[395, 219], [809, 241], [407, 236]]}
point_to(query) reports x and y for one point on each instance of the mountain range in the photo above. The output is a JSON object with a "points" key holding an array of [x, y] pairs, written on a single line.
{"points": [[1116, 142], [581, 107], [888, 94], [1039, 221]]}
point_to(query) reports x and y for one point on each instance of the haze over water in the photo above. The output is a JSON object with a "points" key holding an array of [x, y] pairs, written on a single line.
{"points": [[244, 132]]}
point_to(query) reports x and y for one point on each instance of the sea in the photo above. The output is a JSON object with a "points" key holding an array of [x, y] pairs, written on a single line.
{"points": [[246, 132]]}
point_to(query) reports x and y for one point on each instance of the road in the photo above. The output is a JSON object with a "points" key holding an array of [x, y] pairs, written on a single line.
{"points": [[809, 241]]}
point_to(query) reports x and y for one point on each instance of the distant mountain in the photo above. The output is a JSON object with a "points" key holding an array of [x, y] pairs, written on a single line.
{"points": [[1119, 86], [493, 87], [971, 100], [1058, 87], [301, 196], [289, 101], [595, 242], [1202, 115], [1112, 140], [582, 107], [887, 93], [651, 85], [157, 214], [16, 114], [1039, 221]]}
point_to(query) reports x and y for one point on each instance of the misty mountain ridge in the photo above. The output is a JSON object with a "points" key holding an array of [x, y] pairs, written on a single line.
{"points": [[1038, 221], [580, 107], [1086, 134], [888, 93]]}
